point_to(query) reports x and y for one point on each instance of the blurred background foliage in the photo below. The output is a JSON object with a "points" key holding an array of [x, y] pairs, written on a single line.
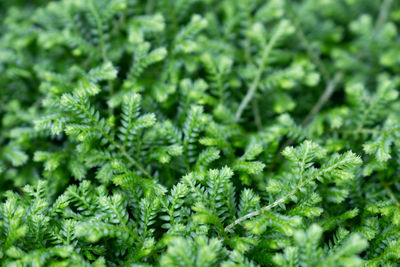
{"points": [[126, 97]]}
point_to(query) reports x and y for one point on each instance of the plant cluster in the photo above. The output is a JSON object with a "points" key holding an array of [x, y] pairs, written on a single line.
{"points": [[199, 133]]}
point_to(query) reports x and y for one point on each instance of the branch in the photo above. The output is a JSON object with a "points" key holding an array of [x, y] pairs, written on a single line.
{"points": [[99, 29], [282, 199], [390, 193], [366, 131], [270, 206], [256, 114], [128, 157], [115, 144], [329, 89], [256, 81], [302, 37], [383, 14]]}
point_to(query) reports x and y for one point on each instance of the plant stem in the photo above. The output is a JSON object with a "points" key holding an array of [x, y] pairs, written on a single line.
{"points": [[302, 37], [128, 157], [256, 81], [100, 29], [115, 144], [390, 193], [367, 131], [256, 113], [282, 199], [329, 89], [383, 14]]}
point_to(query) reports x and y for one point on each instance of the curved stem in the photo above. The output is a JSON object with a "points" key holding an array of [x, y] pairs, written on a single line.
{"points": [[100, 29], [115, 144], [390, 193], [257, 78], [330, 88], [282, 199], [128, 157], [383, 14]]}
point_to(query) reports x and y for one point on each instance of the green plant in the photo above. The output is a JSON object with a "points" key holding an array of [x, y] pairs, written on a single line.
{"points": [[199, 133]]}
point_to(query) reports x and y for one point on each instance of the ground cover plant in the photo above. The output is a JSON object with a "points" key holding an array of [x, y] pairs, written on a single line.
{"points": [[199, 133]]}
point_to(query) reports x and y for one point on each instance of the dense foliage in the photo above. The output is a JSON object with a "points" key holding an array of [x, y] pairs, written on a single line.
{"points": [[199, 133]]}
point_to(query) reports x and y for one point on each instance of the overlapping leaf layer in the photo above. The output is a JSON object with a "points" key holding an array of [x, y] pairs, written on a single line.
{"points": [[199, 133]]}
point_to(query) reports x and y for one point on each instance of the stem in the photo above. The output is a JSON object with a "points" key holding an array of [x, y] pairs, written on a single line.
{"points": [[256, 81], [329, 89], [268, 207], [124, 225], [115, 144], [282, 199], [256, 113], [100, 29], [128, 157], [367, 131], [366, 112], [390, 193], [302, 37], [149, 6], [383, 14], [260, 211]]}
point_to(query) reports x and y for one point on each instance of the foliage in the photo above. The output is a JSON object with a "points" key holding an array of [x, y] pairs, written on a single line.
{"points": [[199, 133]]}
